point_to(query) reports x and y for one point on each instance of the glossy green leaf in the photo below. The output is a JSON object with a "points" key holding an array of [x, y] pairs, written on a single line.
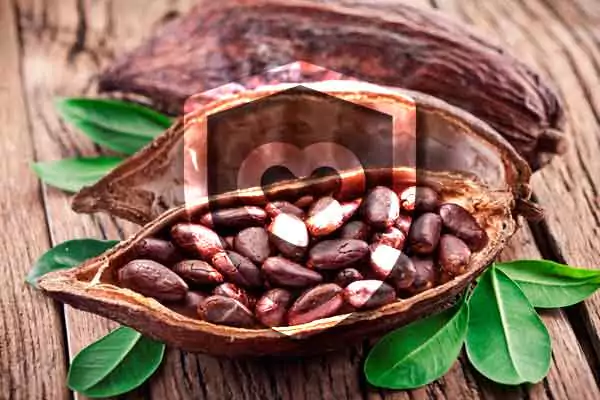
{"points": [[419, 353], [115, 364], [118, 125], [71, 174], [67, 255], [551, 285], [506, 341]]}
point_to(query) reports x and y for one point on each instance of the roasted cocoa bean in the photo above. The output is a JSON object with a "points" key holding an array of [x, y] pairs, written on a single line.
{"points": [[424, 234], [152, 279], [289, 235], [283, 272], [198, 272], [389, 263], [234, 218], [228, 289], [369, 294], [355, 230], [463, 225], [189, 305], [337, 253], [161, 251], [347, 276], [197, 239], [237, 269], [392, 237], [453, 255], [322, 301], [426, 275], [325, 216], [254, 244], [272, 307], [419, 198], [223, 310], [275, 208], [403, 223], [381, 208]]}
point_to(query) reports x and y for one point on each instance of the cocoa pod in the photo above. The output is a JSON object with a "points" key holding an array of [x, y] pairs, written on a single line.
{"points": [[197, 239], [322, 301], [463, 225], [272, 307], [275, 208], [223, 310], [235, 292], [281, 271], [369, 294], [392, 264], [189, 305], [234, 218], [198, 272], [253, 243], [337, 253], [153, 280], [424, 233], [453, 255], [237, 268], [289, 235], [326, 215], [392, 237], [426, 275], [347, 276], [381, 208], [419, 198], [355, 230], [159, 250]]}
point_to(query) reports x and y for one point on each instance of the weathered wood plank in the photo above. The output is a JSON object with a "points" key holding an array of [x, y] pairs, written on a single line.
{"points": [[32, 361]]}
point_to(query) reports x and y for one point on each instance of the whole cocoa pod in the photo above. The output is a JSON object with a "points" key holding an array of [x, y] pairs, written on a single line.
{"points": [[272, 307], [197, 239], [322, 301], [153, 280], [463, 225], [337, 253], [223, 310]]}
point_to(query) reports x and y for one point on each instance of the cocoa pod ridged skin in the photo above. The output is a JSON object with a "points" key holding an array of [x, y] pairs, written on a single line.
{"points": [[197, 239], [223, 310], [271, 308], [153, 280], [453, 62], [381, 207], [278, 207], [392, 264], [228, 289], [426, 275], [419, 198], [355, 230], [463, 225], [281, 271], [424, 234], [337, 253], [453, 254], [322, 301], [289, 235], [253, 243], [198, 272], [347, 276], [237, 268], [159, 250], [369, 294], [234, 218]]}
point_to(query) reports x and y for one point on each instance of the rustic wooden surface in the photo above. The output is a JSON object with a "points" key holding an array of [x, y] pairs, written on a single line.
{"points": [[51, 48]]}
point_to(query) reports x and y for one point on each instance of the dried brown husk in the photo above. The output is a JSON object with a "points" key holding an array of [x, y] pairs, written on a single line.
{"points": [[495, 192], [388, 43]]}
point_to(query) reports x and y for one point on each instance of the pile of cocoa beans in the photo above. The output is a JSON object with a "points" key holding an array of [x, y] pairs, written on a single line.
{"points": [[293, 263]]}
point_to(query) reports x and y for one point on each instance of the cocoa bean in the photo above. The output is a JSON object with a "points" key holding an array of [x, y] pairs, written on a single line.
{"points": [[223, 310], [392, 237], [424, 233], [453, 254], [228, 289], [322, 301], [304, 202], [381, 208], [237, 269], [275, 208], [283, 272], [234, 218], [389, 263], [254, 244], [419, 198], [347, 276], [189, 305], [369, 294], [355, 230], [349, 208], [228, 242], [426, 275], [198, 272], [403, 223], [152, 279], [272, 307], [337, 253], [197, 239], [325, 216], [463, 225], [161, 251], [289, 235]]}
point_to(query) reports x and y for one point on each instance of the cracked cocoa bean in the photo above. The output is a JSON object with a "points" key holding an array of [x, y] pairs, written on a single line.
{"points": [[198, 272], [197, 239], [419, 198], [161, 251], [463, 225], [381, 207], [355, 230], [253, 243], [392, 237], [289, 235], [281, 271], [228, 289], [426, 275], [403, 223], [223, 310], [453, 254], [389, 263], [272, 307], [237, 269], [189, 305], [424, 234], [275, 208], [322, 301], [347, 276], [337, 254], [152, 279], [234, 218], [369, 294]]}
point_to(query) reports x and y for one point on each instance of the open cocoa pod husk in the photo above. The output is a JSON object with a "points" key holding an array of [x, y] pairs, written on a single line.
{"points": [[466, 163]]}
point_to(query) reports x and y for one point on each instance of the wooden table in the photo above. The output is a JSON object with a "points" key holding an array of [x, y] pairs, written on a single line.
{"points": [[51, 48]]}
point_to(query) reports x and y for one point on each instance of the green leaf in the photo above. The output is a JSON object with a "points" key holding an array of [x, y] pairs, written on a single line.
{"points": [[118, 125], [66, 255], [419, 353], [71, 174], [551, 285], [506, 341], [115, 364]]}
